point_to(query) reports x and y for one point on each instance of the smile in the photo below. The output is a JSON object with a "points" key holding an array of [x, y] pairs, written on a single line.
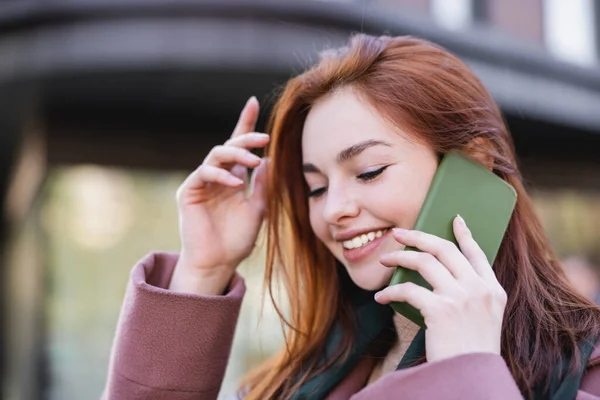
{"points": [[364, 239]]}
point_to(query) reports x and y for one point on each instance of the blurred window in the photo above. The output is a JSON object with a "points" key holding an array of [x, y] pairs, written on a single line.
{"points": [[569, 30], [454, 14]]}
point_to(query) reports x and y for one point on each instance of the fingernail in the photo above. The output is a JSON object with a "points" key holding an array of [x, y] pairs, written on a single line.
{"points": [[377, 295], [252, 157], [463, 225], [399, 231], [252, 98], [260, 135], [235, 180]]}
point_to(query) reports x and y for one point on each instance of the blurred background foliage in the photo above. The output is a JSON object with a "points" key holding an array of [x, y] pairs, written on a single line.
{"points": [[97, 223]]}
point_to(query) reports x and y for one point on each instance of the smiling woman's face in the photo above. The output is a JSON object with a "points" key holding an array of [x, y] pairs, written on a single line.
{"points": [[364, 176]]}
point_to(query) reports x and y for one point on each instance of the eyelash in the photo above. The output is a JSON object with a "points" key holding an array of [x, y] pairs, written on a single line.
{"points": [[367, 176]]}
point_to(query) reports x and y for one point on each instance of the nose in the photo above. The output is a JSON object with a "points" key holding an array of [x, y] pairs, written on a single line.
{"points": [[339, 205]]}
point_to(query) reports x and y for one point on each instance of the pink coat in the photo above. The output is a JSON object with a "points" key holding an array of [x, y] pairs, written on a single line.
{"points": [[176, 346]]}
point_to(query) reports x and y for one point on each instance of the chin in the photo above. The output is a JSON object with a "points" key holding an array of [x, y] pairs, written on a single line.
{"points": [[368, 279]]}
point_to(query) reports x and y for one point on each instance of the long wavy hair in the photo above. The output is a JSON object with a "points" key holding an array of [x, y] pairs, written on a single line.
{"points": [[433, 96]]}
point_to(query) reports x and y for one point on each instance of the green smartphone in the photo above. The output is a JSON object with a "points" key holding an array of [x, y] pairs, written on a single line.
{"points": [[484, 200]]}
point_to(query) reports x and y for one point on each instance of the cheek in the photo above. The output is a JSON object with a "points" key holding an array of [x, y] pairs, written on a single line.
{"points": [[401, 203], [317, 223], [412, 213], [402, 211]]}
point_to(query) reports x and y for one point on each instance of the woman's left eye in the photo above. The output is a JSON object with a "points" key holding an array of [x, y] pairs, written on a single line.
{"points": [[367, 176]]}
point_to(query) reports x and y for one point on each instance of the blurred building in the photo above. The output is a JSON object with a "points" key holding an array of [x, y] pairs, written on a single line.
{"points": [[155, 84]]}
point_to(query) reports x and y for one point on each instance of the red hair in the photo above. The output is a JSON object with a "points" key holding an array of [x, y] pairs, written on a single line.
{"points": [[431, 94]]}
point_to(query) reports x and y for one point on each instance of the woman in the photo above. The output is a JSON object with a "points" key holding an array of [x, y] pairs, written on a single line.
{"points": [[354, 144]]}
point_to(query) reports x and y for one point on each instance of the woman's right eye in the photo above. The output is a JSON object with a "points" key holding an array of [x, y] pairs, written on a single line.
{"points": [[316, 192]]}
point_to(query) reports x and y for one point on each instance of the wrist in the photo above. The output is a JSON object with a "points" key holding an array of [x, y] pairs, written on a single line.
{"points": [[189, 278]]}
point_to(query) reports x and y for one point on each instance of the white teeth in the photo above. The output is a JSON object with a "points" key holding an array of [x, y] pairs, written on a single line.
{"points": [[363, 239]]}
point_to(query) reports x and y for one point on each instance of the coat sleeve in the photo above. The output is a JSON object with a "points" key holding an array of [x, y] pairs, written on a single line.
{"points": [[466, 377], [170, 345]]}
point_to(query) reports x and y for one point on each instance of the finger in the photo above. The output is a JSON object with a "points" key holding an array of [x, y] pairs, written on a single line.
{"points": [[425, 264], [224, 156], [471, 250], [248, 117], [444, 250], [249, 140], [240, 171], [415, 295], [206, 174], [258, 184]]}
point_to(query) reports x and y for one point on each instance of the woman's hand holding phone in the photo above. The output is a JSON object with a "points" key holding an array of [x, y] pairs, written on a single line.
{"points": [[464, 311], [219, 216]]}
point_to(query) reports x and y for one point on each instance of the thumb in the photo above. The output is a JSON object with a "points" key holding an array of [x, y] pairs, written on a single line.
{"points": [[258, 184]]}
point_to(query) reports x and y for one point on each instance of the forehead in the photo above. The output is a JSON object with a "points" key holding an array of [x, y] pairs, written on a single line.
{"points": [[342, 119]]}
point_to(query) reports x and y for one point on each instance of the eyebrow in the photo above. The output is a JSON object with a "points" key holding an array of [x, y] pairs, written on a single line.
{"points": [[348, 153]]}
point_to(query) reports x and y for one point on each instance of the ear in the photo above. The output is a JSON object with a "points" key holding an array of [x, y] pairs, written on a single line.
{"points": [[479, 150]]}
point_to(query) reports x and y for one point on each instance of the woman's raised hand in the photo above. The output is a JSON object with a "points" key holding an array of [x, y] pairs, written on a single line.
{"points": [[464, 311], [220, 212]]}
